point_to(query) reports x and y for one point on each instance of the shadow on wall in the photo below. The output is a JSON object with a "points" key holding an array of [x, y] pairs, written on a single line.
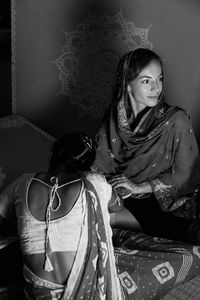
{"points": [[24, 149], [5, 58]]}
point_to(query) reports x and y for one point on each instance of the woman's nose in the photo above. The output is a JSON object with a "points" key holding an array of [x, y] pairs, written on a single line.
{"points": [[155, 86]]}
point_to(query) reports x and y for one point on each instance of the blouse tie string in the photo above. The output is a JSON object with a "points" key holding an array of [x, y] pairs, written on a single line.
{"points": [[47, 263]]}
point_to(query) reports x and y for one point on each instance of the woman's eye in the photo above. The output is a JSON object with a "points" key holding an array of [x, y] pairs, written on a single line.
{"points": [[146, 81], [161, 79]]}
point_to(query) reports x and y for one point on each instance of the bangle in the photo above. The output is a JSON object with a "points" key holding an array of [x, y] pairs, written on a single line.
{"points": [[117, 199]]}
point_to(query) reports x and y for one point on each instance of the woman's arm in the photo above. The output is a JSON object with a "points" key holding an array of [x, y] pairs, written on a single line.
{"points": [[7, 210], [183, 176], [3, 228], [6, 228], [122, 181], [115, 204], [120, 216]]}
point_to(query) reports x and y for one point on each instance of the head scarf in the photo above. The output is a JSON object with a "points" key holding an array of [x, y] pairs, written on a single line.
{"points": [[159, 146], [120, 138]]}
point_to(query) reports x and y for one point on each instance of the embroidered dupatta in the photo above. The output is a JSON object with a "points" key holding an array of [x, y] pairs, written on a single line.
{"points": [[159, 148]]}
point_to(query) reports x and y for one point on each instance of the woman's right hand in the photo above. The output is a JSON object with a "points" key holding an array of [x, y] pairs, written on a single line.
{"points": [[122, 181]]}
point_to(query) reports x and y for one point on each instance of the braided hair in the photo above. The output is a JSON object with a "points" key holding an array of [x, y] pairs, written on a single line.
{"points": [[73, 151]]}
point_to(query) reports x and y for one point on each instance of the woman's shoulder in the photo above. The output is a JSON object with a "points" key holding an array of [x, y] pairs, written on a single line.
{"points": [[27, 176], [98, 180], [21, 180], [24, 180], [181, 116], [17, 186], [100, 184], [95, 176]]}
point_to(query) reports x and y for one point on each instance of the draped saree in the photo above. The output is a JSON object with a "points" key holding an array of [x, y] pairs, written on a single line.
{"points": [[117, 265], [122, 265]]}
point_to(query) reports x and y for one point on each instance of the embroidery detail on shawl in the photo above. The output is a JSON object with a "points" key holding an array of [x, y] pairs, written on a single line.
{"points": [[179, 203], [160, 186], [168, 155], [123, 122], [163, 272], [162, 192], [111, 154]]}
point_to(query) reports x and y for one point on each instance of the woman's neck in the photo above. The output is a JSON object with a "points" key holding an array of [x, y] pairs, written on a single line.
{"points": [[63, 176], [136, 107], [67, 176]]}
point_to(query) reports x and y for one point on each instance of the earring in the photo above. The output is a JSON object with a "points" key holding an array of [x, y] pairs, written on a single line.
{"points": [[128, 89]]}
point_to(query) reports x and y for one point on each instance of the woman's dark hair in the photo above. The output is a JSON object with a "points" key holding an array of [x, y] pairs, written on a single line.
{"points": [[129, 67], [73, 152], [138, 60]]}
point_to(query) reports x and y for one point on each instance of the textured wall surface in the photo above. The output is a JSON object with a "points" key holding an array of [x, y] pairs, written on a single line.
{"points": [[5, 58], [67, 51], [25, 148]]}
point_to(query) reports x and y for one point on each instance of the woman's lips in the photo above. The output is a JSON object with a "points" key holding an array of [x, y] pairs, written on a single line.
{"points": [[153, 97]]}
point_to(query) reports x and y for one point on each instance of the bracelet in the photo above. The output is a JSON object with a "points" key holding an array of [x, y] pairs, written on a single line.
{"points": [[117, 199]]}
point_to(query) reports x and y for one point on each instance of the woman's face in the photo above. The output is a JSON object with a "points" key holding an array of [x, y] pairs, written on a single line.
{"points": [[145, 89]]}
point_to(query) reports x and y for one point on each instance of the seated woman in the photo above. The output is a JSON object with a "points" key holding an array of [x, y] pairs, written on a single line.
{"points": [[148, 151], [65, 235], [63, 224]]}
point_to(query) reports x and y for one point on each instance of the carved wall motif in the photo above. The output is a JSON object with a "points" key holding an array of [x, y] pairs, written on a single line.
{"points": [[89, 58]]}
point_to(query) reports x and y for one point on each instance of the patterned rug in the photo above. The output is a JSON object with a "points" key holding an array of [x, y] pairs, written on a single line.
{"points": [[187, 291]]}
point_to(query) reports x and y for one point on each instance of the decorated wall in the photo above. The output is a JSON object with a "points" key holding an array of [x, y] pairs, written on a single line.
{"points": [[66, 53], [63, 65]]}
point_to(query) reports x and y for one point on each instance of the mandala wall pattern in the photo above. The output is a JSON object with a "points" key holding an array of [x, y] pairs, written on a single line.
{"points": [[88, 60]]}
